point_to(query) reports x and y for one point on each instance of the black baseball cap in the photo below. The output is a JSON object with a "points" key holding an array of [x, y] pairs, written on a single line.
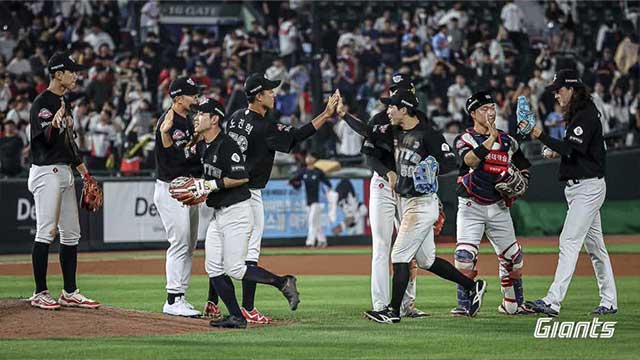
{"points": [[257, 82], [402, 98], [183, 86], [63, 62], [210, 106], [401, 81], [478, 99], [565, 78]]}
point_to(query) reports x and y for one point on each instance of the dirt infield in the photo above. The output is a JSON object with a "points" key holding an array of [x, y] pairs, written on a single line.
{"points": [[535, 264], [18, 319]]}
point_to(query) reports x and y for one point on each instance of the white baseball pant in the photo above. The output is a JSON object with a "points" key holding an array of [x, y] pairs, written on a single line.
{"points": [[257, 211], [56, 205], [473, 220], [383, 214], [415, 235], [227, 240], [181, 224], [315, 226], [582, 225]]}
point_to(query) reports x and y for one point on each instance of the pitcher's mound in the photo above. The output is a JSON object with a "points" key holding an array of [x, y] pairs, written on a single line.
{"points": [[20, 320]]}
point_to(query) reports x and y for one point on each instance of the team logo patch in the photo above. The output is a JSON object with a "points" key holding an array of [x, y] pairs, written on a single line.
{"points": [[190, 82], [44, 113], [578, 130], [383, 129], [468, 203], [178, 135], [381, 186], [416, 145], [203, 101], [445, 147], [55, 170], [235, 157], [396, 79], [282, 127]]}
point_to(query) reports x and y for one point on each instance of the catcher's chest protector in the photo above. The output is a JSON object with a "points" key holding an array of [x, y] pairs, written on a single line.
{"points": [[480, 183]]}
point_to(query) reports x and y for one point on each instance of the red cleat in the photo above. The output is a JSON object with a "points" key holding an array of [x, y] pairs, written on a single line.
{"points": [[254, 316], [75, 299]]}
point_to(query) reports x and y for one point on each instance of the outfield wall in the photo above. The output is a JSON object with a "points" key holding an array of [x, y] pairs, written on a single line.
{"points": [[129, 219]]}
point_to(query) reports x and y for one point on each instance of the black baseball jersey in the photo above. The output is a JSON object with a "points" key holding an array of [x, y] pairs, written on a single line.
{"points": [[175, 161], [582, 149], [222, 158], [312, 179], [259, 138], [411, 147], [379, 145], [50, 145]]}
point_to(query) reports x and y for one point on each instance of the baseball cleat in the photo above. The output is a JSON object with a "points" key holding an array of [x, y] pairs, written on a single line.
{"points": [[477, 295], [459, 311], [541, 307], [290, 291], [411, 311], [180, 308], [75, 299], [43, 300], [523, 309], [255, 317], [212, 311], [384, 316], [229, 322], [603, 310]]}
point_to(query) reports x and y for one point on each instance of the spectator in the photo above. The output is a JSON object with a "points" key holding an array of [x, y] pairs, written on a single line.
{"points": [[7, 44], [288, 39], [427, 61], [97, 37], [11, 149], [99, 90], [600, 99], [38, 60], [512, 17], [5, 92], [440, 43], [149, 18], [388, 44], [456, 34], [411, 54], [277, 71], [458, 94], [605, 68], [380, 22], [554, 123], [103, 135], [438, 113], [627, 56], [19, 65], [452, 130], [344, 81]]}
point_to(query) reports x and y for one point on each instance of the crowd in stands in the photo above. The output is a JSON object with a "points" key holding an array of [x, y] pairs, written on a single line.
{"points": [[449, 49]]}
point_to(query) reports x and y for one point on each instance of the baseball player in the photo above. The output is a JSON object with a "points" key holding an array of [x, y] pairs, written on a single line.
{"points": [[378, 152], [418, 152], [225, 189], [54, 155], [582, 169], [259, 137], [173, 133], [312, 177], [488, 156]]}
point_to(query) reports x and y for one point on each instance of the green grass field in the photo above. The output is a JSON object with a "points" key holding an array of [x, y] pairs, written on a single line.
{"points": [[329, 324]]}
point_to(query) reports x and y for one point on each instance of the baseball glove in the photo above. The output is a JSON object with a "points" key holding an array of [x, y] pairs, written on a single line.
{"points": [[526, 120], [425, 176], [91, 198], [514, 183], [188, 190]]}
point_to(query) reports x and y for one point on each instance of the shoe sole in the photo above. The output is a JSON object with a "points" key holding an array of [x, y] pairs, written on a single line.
{"points": [[228, 327], [369, 317], [481, 294], [84, 306], [187, 316], [416, 316], [46, 307], [258, 322]]}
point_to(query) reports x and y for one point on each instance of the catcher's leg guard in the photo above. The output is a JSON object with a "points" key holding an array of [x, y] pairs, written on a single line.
{"points": [[466, 257], [511, 263]]}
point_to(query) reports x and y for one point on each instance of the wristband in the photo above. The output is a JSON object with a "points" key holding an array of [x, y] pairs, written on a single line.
{"points": [[219, 184], [481, 152]]}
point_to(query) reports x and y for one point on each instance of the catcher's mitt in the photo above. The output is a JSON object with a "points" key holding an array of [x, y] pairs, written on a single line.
{"points": [[526, 119], [91, 198], [514, 183], [185, 190]]}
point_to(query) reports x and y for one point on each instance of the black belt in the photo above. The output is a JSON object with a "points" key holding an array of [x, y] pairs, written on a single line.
{"points": [[572, 182]]}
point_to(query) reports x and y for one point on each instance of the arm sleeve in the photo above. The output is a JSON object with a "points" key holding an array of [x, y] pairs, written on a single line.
{"points": [[376, 165], [520, 161], [438, 147], [356, 124], [280, 137], [236, 166], [578, 136], [324, 180]]}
